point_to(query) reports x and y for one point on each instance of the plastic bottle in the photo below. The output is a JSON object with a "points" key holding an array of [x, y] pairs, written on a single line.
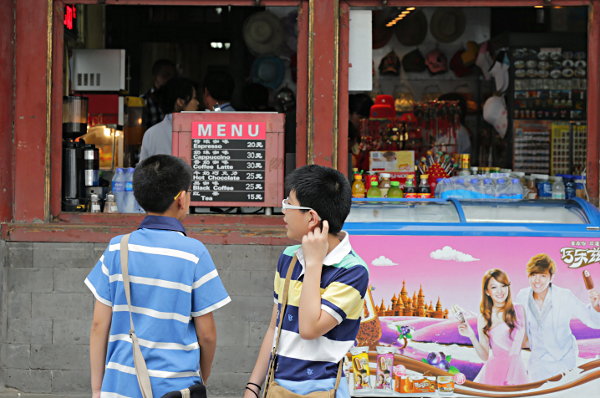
{"points": [[424, 190], [358, 188], [544, 187], [514, 189], [374, 191], [118, 188], [110, 206], [488, 189], [410, 191], [447, 188], [384, 185], [394, 191], [558, 188], [438, 187], [459, 189], [570, 187], [473, 190], [500, 188], [128, 198], [532, 187]]}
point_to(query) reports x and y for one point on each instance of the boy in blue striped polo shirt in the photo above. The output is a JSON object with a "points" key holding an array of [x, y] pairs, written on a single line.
{"points": [[174, 289], [327, 287]]}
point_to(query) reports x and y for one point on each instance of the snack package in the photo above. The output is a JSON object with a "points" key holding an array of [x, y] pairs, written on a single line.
{"points": [[415, 384], [385, 367], [445, 385], [360, 364]]}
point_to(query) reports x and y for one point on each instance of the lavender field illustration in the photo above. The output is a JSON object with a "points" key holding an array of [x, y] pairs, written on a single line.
{"points": [[416, 280]]}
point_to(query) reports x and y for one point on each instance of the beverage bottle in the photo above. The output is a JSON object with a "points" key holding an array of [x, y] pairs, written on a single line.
{"points": [[570, 188], [459, 189], [394, 191], [438, 187], [424, 190], [447, 188], [474, 188], [128, 198], [544, 187], [558, 188], [118, 189], [500, 188], [384, 185], [110, 206], [374, 191], [514, 189], [488, 189], [410, 191], [358, 188], [94, 206], [532, 187]]}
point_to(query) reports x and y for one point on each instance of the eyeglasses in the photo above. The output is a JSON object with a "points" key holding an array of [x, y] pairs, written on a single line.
{"points": [[285, 204], [189, 191]]}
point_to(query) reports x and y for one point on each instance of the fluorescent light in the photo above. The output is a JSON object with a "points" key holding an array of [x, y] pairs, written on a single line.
{"points": [[227, 45]]}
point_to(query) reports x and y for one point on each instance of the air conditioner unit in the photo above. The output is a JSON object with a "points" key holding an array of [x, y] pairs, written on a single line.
{"points": [[98, 70]]}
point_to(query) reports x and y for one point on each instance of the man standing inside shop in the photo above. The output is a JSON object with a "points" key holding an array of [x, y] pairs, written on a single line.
{"points": [[218, 90], [549, 310], [163, 70]]}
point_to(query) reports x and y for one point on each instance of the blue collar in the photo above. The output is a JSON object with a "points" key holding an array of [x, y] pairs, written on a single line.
{"points": [[162, 222]]}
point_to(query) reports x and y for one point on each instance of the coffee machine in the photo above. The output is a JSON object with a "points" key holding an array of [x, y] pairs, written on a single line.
{"points": [[80, 162]]}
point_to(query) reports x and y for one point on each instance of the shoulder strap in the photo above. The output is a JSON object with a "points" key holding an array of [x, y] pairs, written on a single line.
{"points": [[141, 370], [284, 296]]}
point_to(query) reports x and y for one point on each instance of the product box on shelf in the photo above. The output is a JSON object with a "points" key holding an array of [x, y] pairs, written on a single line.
{"points": [[392, 161]]}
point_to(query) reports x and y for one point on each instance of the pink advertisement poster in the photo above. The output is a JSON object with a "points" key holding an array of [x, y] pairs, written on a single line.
{"points": [[518, 316]]}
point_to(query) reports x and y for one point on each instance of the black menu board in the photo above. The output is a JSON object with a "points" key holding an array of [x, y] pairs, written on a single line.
{"points": [[228, 160]]}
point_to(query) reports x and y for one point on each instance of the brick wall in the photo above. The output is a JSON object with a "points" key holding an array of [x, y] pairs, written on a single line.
{"points": [[47, 314]]}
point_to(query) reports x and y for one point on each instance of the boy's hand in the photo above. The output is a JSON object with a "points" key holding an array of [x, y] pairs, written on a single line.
{"points": [[315, 245]]}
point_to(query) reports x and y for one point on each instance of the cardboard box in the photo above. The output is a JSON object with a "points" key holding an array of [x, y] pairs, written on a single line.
{"points": [[390, 161]]}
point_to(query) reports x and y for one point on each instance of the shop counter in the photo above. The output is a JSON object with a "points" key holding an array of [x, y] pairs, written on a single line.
{"points": [[428, 260]]}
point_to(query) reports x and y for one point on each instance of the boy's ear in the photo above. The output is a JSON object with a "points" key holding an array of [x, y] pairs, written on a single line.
{"points": [[314, 219]]}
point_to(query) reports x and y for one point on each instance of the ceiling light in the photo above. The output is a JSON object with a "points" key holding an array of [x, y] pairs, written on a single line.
{"points": [[538, 6], [227, 45], [405, 12], [218, 10], [410, 8]]}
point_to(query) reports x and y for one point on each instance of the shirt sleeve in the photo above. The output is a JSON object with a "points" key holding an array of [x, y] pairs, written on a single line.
{"points": [[98, 281], [208, 292], [344, 297], [277, 282]]}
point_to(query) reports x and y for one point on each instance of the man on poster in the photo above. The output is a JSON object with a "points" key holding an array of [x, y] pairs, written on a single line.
{"points": [[549, 310]]}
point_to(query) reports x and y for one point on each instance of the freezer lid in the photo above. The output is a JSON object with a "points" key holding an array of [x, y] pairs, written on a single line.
{"points": [[525, 212], [404, 211]]}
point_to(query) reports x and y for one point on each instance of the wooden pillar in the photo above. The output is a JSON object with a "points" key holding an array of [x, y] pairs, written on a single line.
{"points": [[593, 149], [30, 110], [7, 58]]}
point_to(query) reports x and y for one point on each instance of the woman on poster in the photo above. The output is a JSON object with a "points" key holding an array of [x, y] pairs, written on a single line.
{"points": [[501, 327]]}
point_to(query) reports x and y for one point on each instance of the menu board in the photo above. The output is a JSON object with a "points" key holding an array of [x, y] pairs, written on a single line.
{"points": [[228, 160]]}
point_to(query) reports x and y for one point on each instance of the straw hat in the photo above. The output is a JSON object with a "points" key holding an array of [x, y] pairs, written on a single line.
{"points": [[263, 32], [412, 30], [381, 34], [448, 24]]}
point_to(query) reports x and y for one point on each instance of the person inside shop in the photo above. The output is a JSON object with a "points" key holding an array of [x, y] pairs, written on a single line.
{"points": [[324, 270], [256, 98], [177, 95], [462, 144], [549, 310], [360, 108], [218, 90], [163, 70]]}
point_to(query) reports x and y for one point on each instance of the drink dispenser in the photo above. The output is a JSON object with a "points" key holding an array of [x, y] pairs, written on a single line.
{"points": [[73, 184], [75, 114]]}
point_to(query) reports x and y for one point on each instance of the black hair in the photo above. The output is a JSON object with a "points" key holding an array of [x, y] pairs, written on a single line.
{"points": [[325, 190], [360, 104], [255, 96], [363, 371], [387, 372], [171, 91], [158, 179], [220, 85], [462, 103], [160, 64]]}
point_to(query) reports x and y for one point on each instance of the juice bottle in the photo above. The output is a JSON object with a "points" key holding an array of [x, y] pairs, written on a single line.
{"points": [[384, 185], [394, 191], [358, 188], [410, 191], [424, 190], [374, 191]]}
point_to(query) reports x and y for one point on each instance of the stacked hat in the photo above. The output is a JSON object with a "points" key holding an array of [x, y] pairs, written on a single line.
{"points": [[436, 61], [448, 24], [412, 30], [263, 33], [383, 108], [495, 113], [390, 65], [414, 62]]}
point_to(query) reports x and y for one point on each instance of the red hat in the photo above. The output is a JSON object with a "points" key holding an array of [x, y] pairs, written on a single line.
{"points": [[384, 107], [457, 66], [436, 61]]}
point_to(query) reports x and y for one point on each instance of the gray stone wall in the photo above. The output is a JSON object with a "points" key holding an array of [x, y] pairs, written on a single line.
{"points": [[47, 313]]}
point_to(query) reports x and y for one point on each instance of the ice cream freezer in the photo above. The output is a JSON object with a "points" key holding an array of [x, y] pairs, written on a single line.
{"points": [[498, 296]]}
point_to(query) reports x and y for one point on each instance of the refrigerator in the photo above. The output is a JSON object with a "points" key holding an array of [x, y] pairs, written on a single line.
{"points": [[428, 261]]}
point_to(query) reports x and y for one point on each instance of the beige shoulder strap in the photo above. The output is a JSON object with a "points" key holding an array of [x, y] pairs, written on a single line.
{"points": [[141, 371]]}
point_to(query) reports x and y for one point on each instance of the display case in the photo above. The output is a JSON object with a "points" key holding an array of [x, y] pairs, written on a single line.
{"points": [[432, 259]]}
